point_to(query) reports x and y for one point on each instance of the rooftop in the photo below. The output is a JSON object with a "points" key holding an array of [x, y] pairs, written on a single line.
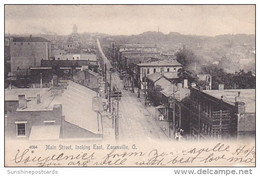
{"points": [[179, 93], [163, 83], [169, 90], [171, 75], [154, 77], [161, 63], [29, 39], [76, 103], [246, 95], [138, 45], [30, 93]]}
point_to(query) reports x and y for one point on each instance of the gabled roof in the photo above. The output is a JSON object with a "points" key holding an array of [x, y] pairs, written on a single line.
{"points": [[154, 77], [162, 82], [29, 39], [169, 90]]}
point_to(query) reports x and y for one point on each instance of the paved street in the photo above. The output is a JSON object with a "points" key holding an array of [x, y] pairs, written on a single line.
{"points": [[135, 121]]}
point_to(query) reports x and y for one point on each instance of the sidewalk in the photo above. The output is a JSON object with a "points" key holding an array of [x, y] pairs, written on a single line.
{"points": [[154, 114]]}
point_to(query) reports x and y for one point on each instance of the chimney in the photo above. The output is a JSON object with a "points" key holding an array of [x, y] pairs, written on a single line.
{"points": [[179, 86], [22, 102], [237, 98], [185, 83], [241, 108], [221, 87], [38, 98]]}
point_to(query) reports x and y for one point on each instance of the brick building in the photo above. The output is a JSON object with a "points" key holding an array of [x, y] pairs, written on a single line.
{"points": [[51, 114], [221, 113]]}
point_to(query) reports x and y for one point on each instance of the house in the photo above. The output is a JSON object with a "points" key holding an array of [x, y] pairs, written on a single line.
{"points": [[26, 52], [155, 83], [51, 114], [161, 66]]}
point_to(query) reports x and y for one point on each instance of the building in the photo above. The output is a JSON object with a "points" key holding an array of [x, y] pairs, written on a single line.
{"points": [[75, 56], [7, 57], [155, 83], [221, 113], [118, 50], [87, 78], [73, 43], [51, 113], [206, 79], [161, 66], [138, 47], [69, 64], [26, 52]]}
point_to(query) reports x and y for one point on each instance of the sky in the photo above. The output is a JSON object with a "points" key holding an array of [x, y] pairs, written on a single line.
{"points": [[209, 20]]}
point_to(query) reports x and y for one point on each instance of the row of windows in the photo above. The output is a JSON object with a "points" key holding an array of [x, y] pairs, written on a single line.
{"points": [[28, 43], [149, 71], [68, 59]]}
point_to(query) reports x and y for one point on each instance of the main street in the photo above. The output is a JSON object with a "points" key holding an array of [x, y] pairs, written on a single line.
{"points": [[135, 122]]}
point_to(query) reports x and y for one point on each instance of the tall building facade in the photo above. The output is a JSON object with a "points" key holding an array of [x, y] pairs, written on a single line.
{"points": [[26, 52]]}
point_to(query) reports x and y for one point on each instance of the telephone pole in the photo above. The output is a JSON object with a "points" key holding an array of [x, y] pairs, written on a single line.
{"points": [[109, 93]]}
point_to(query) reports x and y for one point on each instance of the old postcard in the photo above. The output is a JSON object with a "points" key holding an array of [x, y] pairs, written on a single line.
{"points": [[129, 85]]}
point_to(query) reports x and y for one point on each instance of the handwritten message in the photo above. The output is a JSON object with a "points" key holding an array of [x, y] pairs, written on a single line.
{"points": [[131, 155]]}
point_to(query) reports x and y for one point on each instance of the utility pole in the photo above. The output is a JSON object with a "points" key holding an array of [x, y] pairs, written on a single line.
{"points": [[105, 76], [173, 117], [113, 114], [40, 80], [117, 119], [199, 115], [109, 98]]}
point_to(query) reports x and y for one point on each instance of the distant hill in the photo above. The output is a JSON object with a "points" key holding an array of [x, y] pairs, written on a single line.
{"points": [[237, 50]]}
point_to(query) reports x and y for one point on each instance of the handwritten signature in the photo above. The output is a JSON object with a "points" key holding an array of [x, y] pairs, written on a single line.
{"points": [[199, 155]]}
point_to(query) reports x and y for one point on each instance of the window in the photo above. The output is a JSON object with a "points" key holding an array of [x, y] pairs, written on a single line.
{"points": [[161, 69], [20, 129], [28, 43], [148, 71], [21, 43], [154, 70], [174, 69], [168, 69]]}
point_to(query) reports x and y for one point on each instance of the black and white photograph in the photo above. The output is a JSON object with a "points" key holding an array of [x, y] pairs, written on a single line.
{"points": [[129, 85]]}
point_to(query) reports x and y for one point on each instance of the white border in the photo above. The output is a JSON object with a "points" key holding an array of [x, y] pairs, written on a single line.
{"points": [[117, 171]]}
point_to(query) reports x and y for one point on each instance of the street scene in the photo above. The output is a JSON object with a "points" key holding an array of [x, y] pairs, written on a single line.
{"points": [[114, 79]]}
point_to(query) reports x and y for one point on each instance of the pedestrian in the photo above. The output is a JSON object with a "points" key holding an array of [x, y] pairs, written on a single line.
{"points": [[161, 118]]}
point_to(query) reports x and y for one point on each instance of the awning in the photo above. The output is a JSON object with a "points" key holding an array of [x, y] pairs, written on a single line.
{"points": [[45, 132]]}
